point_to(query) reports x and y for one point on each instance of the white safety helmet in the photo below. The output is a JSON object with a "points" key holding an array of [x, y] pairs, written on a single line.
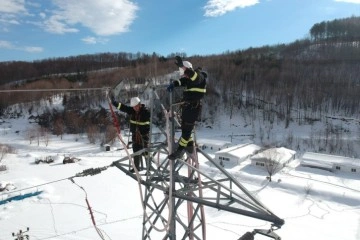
{"points": [[187, 65], [134, 101]]}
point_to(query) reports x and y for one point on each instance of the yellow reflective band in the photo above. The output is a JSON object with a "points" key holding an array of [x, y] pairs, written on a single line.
{"points": [[118, 107], [140, 123], [194, 77], [178, 81], [183, 142], [202, 90]]}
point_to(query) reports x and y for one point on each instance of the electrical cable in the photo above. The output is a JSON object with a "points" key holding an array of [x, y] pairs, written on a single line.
{"points": [[195, 162], [53, 90], [36, 186], [90, 210], [117, 126]]}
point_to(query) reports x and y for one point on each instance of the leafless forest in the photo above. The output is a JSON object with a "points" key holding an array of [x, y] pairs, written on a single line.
{"points": [[310, 80]]}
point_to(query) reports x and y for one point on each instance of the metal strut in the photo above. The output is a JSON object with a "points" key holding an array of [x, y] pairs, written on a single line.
{"points": [[174, 193]]}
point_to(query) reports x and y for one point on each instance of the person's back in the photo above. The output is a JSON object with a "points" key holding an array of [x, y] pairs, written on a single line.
{"points": [[195, 89], [194, 82]]}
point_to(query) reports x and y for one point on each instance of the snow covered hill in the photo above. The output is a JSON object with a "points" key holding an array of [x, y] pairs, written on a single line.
{"points": [[315, 204]]}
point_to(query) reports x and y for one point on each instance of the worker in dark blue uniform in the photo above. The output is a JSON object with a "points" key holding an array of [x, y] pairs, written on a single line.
{"points": [[194, 82], [139, 126]]}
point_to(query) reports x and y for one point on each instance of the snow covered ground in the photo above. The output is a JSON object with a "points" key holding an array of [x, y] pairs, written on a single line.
{"points": [[315, 204]]}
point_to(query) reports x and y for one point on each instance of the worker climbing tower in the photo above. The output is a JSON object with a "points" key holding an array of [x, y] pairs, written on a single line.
{"points": [[176, 193]]}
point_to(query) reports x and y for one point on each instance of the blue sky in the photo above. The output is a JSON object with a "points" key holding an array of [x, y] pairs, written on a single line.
{"points": [[38, 29]]}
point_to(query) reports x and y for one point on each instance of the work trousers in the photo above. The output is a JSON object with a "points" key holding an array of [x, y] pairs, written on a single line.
{"points": [[190, 113], [139, 142]]}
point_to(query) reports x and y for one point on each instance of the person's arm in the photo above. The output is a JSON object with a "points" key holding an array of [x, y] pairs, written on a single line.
{"points": [[115, 103], [121, 107], [190, 73]]}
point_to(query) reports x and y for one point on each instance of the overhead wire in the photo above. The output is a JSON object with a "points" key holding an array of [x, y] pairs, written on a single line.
{"points": [[169, 186], [166, 227], [51, 89], [85, 172], [99, 231], [138, 177], [195, 162], [36, 186]]}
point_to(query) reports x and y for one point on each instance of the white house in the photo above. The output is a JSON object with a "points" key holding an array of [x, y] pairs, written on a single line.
{"points": [[282, 156], [330, 163], [236, 154], [212, 144]]}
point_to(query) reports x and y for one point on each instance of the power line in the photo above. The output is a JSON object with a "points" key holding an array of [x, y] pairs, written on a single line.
{"points": [[54, 89], [86, 172], [19, 190]]}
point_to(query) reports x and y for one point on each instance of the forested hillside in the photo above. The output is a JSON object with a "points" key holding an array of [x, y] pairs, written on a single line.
{"points": [[309, 80]]}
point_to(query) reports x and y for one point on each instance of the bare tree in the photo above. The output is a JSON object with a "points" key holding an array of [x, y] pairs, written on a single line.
{"points": [[59, 127], [92, 133], [272, 161], [30, 135], [4, 150], [45, 134], [110, 134], [37, 132], [74, 122]]}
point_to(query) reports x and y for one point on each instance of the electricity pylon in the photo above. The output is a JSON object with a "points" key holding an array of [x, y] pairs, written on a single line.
{"points": [[175, 193]]}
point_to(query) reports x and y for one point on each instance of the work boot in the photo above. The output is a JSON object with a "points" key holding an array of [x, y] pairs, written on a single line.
{"points": [[177, 154], [133, 169], [190, 147]]}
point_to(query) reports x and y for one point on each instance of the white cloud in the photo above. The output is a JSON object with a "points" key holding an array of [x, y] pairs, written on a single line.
{"points": [[42, 15], [12, 6], [215, 8], [7, 19], [6, 44], [32, 49], [10, 46], [56, 24], [349, 1], [10, 10], [102, 17], [94, 40]]}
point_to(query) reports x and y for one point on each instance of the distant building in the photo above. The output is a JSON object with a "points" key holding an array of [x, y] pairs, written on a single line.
{"points": [[212, 145], [236, 154], [330, 163], [278, 157]]}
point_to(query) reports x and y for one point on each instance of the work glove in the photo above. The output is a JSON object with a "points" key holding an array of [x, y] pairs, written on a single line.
{"points": [[178, 61], [111, 96], [170, 88], [113, 101]]}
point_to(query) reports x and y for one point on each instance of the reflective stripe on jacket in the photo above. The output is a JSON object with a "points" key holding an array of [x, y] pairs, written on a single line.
{"points": [[139, 121], [194, 83]]}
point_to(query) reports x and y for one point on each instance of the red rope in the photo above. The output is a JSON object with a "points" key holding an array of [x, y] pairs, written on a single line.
{"points": [[116, 123], [91, 212]]}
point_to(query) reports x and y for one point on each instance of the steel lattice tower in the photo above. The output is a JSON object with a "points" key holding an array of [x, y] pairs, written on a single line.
{"points": [[175, 193]]}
